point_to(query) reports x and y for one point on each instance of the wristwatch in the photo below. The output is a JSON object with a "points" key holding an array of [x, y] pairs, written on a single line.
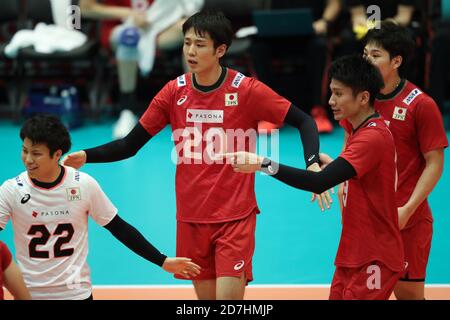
{"points": [[266, 163], [266, 166]]}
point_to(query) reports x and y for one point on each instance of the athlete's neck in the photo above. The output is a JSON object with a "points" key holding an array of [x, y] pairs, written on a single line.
{"points": [[361, 117], [209, 77], [390, 84], [52, 178]]}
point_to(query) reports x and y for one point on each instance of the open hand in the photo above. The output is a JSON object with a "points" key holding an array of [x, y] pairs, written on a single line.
{"points": [[244, 162], [323, 199], [181, 266], [75, 159]]}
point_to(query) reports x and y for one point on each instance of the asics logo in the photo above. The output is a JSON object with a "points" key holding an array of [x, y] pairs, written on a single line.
{"points": [[239, 265], [25, 198], [181, 100]]}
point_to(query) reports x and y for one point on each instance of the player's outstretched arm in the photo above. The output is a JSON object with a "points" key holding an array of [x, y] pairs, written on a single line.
{"points": [[135, 241], [113, 151], [336, 172]]}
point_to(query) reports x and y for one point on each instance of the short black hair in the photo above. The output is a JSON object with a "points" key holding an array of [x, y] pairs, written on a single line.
{"points": [[395, 39], [359, 74], [213, 22], [47, 129]]}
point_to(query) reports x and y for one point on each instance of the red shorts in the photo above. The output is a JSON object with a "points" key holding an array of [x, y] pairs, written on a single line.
{"points": [[417, 244], [373, 281], [220, 249]]}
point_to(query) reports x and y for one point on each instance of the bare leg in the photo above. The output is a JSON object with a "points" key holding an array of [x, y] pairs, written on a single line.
{"points": [[405, 290], [127, 75], [127, 71], [231, 288], [205, 289], [126, 65]]}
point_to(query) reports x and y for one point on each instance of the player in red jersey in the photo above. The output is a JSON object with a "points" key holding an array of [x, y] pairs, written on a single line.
{"points": [[369, 260], [210, 106], [10, 276], [418, 130]]}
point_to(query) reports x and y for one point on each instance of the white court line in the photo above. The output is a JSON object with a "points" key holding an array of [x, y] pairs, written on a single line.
{"points": [[258, 286]]}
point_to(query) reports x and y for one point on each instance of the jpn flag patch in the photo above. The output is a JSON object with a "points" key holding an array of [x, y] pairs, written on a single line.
{"points": [[399, 114], [73, 194], [231, 99]]}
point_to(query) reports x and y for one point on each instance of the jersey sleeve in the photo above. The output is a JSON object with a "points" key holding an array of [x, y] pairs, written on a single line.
{"points": [[363, 151], [265, 104], [157, 115], [430, 126], [5, 204], [101, 208], [6, 256]]}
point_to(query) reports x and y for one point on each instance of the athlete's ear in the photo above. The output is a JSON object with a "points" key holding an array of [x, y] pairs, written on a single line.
{"points": [[396, 62], [221, 50], [57, 154], [364, 97]]}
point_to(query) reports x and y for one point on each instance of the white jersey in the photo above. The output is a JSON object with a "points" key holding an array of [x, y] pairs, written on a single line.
{"points": [[51, 231]]}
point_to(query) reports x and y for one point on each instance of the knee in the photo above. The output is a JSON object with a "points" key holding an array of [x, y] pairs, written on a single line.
{"points": [[404, 291]]}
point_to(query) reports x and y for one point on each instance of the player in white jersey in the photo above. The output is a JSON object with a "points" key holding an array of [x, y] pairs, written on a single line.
{"points": [[49, 206]]}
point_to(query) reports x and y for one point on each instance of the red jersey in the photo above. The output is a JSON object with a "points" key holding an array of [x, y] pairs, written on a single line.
{"points": [[5, 261], [370, 229], [417, 127], [207, 191], [108, 25]]}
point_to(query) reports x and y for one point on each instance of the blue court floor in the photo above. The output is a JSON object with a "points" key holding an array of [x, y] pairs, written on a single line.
{"points": [[295, 242]]}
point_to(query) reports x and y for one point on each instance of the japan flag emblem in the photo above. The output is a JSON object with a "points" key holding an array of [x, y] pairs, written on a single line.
{"points": [[73, 194], [399, 114], [231, 99]]}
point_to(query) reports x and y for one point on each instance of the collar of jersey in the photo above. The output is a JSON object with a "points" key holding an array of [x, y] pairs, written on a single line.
{"points": [[372, 116], [211, 87], [401, 85], [49, 185]]}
